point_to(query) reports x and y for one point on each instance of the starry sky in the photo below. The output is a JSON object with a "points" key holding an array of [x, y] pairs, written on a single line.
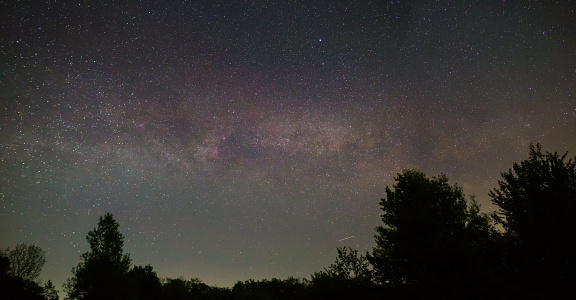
{"points": [[248, 139]]}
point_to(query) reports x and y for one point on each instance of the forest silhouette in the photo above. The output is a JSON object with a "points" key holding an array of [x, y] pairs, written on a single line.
{"points": [[434, 243]]}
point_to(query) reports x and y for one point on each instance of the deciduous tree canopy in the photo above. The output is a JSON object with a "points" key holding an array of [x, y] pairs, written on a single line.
{"points": [[537, 209], [427, 234], [26, 261]]}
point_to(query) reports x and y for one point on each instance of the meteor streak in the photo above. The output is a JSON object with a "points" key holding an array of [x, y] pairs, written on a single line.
{"points": [[346, 238]]}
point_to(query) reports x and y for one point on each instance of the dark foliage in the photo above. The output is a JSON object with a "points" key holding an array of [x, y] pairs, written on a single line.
{"points": [[144, 284], [50, 292], [193, 289], [102, 272], [435, 244], [431, 236], [180, 289], [15, 287], [26, 261], [537, 209], [291, 288], [349, 274]]}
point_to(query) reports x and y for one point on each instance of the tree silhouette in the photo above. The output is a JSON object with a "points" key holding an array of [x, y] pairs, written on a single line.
{"points": [[176, 289], [427, 237], [350, 266], [50, 292], [102, 272], [347, 271], [15, 287], [182, 289], [26, 261], [537, 209], [291, 288], [144, 283], [348, 275]]}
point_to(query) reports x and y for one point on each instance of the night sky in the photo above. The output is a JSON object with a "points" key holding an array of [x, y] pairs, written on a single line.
{"points": [[248, 139]]}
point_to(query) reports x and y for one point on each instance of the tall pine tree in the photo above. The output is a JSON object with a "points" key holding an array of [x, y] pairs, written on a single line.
{"points": [[102, 272]]}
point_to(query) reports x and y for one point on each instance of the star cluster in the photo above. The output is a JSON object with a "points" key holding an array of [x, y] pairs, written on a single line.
{"points": [[237, 140]]}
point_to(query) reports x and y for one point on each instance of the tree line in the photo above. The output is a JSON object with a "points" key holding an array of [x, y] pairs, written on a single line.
{"points": [[434, 243]]}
